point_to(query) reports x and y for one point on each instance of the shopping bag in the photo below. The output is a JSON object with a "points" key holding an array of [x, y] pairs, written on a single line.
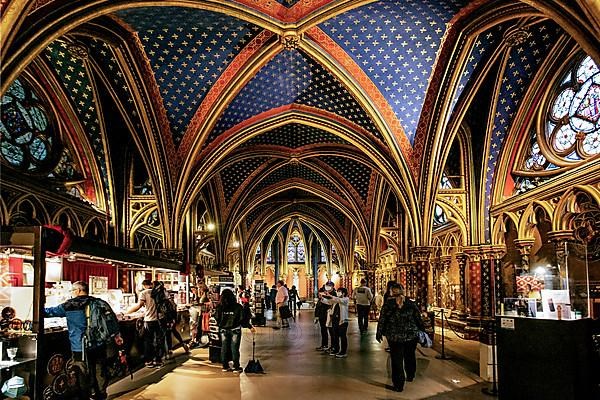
{"points": [[424, 339]]}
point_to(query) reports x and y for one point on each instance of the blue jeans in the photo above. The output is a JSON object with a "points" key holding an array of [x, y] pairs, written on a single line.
{"points": [[230, 346]]}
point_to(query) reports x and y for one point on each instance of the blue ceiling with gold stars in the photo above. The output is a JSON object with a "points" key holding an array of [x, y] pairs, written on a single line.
{"points": [[355, 172], [395, 43], [524, 60], [188, 50], [233, 176], [72, 71], [294, 136], [292, 77]]}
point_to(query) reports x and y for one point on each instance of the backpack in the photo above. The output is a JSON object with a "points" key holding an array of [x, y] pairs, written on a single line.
{"points": [[102, 323], [164, 306]]}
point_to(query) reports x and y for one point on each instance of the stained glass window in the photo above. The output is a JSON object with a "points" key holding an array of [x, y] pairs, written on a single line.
{"points": [[573, 125], [439, 217], [296, 251], [28, 140], [445, 182]]}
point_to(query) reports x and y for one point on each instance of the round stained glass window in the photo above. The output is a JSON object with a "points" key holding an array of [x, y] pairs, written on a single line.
{"points": [[573, 125], [28, 140]]}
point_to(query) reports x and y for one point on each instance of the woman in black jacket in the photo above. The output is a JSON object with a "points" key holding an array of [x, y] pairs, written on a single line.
{"points": [[400, 322], [231, 317]]}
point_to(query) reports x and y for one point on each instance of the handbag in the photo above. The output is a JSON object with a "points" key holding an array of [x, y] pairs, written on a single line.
{"points": [[424, 339], [285, 312]]}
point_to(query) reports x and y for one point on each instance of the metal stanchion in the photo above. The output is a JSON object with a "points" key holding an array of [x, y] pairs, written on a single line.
{"points": [[494, 390], [443, 355]]}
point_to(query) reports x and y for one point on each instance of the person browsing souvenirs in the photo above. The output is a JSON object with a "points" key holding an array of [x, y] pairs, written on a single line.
{"points": [[90, 361], [400, 322]]}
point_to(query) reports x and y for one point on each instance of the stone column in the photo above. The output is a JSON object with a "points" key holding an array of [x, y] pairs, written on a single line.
{"points": [[445, 262], [421, 257], [461, 258], [474, 279], [498, 252], [435, 279], [402, 274], [524, 247], [560, 240]]}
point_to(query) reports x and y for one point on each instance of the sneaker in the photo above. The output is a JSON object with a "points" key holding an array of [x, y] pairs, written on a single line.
{"points": [[149, 364], [238, 369], [226, 369], [340, 355], [158, 364], [322, 348], [333, 353], [186, 348], [410, 378]]}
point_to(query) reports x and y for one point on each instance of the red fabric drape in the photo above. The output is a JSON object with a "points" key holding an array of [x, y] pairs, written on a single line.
{"points": [[81, 270]]}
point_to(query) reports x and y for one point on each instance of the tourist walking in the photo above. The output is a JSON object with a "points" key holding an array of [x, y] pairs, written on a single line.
{"points": [[400, 322]]}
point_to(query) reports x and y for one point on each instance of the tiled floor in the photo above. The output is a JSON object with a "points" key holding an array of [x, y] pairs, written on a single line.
{"points": [[294, 370]]}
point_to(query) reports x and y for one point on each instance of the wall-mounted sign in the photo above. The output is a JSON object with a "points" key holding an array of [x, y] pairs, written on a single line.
{"points": [[507, 323]]}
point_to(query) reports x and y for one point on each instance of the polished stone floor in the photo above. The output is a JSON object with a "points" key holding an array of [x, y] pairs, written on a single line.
{"points": [[294, 370]]}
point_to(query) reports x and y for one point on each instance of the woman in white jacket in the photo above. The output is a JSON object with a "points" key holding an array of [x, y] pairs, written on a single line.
{"points": [[337, 318]]}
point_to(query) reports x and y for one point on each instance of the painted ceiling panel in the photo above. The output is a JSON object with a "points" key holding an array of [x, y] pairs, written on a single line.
{"points": [[335, 213], [523, 63], [294, 136], [292, 76], [233, 176], [294, 171], [255, 213], [104, 55], [188, 50], [356, 173], [483, 47], [395, 43], [68, 63]]}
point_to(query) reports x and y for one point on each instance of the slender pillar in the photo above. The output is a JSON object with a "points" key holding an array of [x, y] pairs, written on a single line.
{"points": [[445, 262], [461, 258], [524, 247], [421, 257], [560, 240], [474, 279], [498, 294]]}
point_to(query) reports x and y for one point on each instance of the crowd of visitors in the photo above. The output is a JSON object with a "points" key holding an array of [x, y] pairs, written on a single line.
{"points": [[399, 322]]}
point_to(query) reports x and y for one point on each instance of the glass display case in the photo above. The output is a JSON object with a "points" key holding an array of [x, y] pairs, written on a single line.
{"points": [[21, 264]]}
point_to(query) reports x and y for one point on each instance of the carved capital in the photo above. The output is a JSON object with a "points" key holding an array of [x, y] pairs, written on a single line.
{"points": [[420, 253], [445, 262]]}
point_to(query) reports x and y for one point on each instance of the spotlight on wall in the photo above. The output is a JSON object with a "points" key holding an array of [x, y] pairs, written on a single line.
{"points": [[236, 244], [210, 227]]}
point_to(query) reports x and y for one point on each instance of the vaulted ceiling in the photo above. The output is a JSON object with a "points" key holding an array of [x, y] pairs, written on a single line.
{"points": [[273, 110]]}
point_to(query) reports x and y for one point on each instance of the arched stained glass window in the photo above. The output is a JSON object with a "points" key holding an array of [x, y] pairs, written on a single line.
{"points": [[296, 252], [29, 141]]}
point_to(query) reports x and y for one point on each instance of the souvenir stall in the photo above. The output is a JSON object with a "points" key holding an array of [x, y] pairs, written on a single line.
{"points": [[553, 320], [38, 273]]}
